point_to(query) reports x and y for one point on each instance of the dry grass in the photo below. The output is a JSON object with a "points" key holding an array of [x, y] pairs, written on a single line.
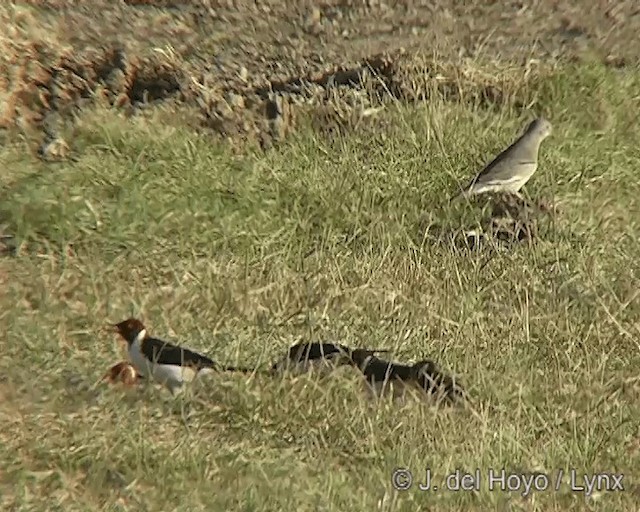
{"points": [[239, 255]]}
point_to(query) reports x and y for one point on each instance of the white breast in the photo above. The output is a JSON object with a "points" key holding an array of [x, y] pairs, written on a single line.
{"points": [[169, 375]]}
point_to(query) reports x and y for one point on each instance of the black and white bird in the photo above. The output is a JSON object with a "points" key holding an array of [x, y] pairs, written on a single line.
{"points": [[164, 362]]}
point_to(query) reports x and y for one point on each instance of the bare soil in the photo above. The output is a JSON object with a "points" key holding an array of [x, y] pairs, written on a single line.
{"points": [[241, 70]]}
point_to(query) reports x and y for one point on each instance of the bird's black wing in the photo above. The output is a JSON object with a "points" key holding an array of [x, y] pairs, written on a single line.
{"points": [[305, 352], [380, 370], [162, 352], [361, 357], [236, 369], [314, 350]]}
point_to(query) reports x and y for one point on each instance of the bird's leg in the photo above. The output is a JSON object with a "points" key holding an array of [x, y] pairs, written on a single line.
{"points": [[525, 202]]}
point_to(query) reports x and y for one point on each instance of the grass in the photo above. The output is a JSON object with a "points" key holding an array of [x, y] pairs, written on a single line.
{"points": [[239, 256]]}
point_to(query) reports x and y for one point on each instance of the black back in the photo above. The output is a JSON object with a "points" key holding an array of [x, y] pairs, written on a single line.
{"points": [[379, 370], [162, 352], [314, 350], [310, 351], [425, 374]]}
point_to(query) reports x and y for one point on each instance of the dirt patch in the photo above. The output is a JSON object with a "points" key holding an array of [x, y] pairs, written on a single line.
{"points": [[249, 68], [491, 221]]}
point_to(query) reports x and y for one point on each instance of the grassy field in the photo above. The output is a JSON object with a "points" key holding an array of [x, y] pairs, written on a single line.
{"points": [[240, 255]]}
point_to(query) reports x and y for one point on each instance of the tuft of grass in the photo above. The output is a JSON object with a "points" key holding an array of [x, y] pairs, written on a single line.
{"points": [[239, 256]]}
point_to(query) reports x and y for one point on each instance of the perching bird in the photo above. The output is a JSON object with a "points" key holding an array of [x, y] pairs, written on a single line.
{"points": [[424, 375], [165, 362], [511, 169], [306, 355], [122, 372]]}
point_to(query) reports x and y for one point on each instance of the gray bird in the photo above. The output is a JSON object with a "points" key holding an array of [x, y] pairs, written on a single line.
{"points": [[511, 169]]}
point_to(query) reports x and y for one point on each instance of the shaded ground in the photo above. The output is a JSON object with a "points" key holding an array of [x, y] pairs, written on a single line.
{"points": [[220, 60]]}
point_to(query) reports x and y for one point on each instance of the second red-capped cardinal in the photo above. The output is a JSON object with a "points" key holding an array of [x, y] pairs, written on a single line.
{"points": [[122, 372]]}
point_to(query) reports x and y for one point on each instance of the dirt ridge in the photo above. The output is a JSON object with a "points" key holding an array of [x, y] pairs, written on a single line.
{"points": [[248, 67]]}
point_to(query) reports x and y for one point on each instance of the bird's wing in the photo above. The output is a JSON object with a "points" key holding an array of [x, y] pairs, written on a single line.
{"points": [[523, 151], [314, 350], [376, 369], [492, 167], [305, 352], [495, 167], [162, 352]]}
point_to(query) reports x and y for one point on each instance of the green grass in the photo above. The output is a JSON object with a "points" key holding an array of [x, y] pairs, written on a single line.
{"points": [[238, 256]]}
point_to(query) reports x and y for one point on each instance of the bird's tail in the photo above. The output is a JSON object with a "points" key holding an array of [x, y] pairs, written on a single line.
{"points": [[237, 369]]}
